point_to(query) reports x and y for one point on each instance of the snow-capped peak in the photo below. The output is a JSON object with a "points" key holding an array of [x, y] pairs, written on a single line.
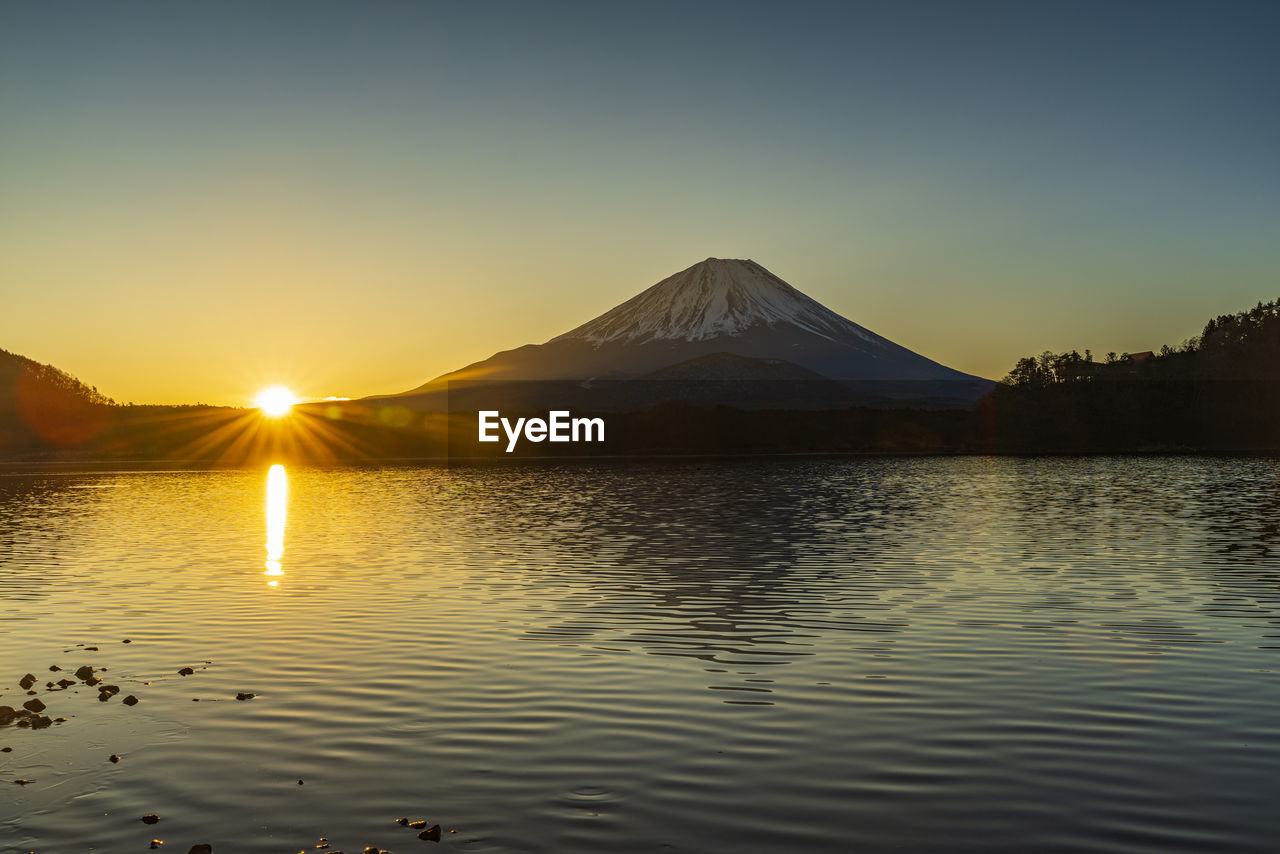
{"points": [[716, 297]]}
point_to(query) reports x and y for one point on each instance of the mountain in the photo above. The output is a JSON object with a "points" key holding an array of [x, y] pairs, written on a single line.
{"points": [[723, 379], [726, 367], [722, 306]]}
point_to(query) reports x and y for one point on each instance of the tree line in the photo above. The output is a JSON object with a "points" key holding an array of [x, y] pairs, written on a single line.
{"points": [[1216, 392]]}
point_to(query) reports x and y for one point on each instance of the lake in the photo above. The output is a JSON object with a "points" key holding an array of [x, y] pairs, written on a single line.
{"points": [[819, 655]]}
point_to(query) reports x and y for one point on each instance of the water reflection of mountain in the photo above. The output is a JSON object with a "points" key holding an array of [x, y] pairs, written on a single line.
{"points": [[746, 566], [738, 566]]}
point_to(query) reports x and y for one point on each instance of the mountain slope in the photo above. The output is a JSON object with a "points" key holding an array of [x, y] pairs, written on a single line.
{"points": [[41, 406], [723, 379], [16, 370]]}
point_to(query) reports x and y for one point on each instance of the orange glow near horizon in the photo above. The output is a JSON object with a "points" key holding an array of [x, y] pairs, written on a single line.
{"points": [[275, 401], [249, 436]]}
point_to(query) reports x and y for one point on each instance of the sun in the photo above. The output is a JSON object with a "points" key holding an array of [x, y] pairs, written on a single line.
{"points": [[275, 401]]}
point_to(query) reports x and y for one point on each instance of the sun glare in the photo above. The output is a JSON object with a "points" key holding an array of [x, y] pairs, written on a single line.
{"points": [[277, 503], [275, 401]]}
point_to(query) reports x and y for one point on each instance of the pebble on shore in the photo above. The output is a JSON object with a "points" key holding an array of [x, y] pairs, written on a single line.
{"points": [[29, 715]]}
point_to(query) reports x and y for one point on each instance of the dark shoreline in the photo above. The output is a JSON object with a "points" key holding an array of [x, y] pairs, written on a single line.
{"points": [[1145, 419], [98, 466]]}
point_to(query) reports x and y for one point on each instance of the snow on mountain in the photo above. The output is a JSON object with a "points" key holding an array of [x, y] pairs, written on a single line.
{"points": [[714, 298]]}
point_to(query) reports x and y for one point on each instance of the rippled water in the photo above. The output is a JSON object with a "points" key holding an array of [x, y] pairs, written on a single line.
{"points": [[920, 655]]}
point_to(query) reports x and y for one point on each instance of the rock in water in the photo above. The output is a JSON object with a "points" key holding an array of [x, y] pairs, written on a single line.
{"points": [[27, 681], [245, 695], [130, 700], [150, 818], [115, 757], [201, 849], [84, 672], [185, 671], [432, 833], [34, 705]]}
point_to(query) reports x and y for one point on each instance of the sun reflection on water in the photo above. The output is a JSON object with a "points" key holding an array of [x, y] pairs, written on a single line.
{"points": [[277, 501]]}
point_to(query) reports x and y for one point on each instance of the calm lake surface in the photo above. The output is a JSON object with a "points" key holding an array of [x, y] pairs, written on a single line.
{"points": [[820, 655]]}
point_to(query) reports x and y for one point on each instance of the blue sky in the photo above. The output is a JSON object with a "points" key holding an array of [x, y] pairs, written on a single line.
{"points": [[353, 198]]}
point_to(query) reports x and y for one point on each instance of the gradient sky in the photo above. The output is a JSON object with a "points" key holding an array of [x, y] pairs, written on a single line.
{"points": [[197, 200]]}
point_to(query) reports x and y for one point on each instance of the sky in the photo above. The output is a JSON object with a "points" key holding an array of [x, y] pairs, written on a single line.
{"points": [[199, 200]]}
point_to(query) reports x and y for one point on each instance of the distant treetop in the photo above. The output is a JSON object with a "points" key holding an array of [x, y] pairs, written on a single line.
{"points": [[1245, 345], [13, 367]]}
